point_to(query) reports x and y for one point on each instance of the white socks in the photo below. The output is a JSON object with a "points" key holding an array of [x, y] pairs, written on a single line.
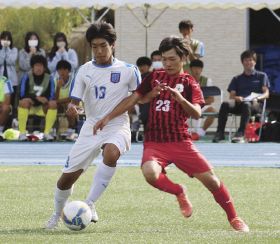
{"points": [[101, 180], [201, 132], [60, 198]]}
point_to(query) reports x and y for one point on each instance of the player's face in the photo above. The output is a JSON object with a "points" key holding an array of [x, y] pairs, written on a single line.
{"points": [[196, 72], [102, 51], [186, 33], [172, 62], [248, 64], [63, 74], [144, 69], [38, 69]]}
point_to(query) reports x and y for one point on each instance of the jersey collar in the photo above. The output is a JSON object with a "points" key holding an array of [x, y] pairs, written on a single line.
{"points": [[103, 66]]}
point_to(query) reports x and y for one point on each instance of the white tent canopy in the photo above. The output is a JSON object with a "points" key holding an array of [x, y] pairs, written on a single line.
{"points": [[191, 4]]}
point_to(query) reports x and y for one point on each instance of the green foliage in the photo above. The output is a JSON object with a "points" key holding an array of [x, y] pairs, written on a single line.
{"points": [[131, 211], [46, 22]]}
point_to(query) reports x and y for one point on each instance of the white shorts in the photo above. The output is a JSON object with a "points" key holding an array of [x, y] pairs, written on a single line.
{"points": [[88, 146]]}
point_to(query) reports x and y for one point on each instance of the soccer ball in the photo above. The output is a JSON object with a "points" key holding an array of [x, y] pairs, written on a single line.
{"points": [[76, 215]]}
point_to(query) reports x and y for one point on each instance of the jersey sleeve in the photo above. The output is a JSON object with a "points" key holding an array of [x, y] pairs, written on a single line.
{"points": [[78, 86], [197, 96], [8, 88], [145, 86], [135, 79], [232, 86]]}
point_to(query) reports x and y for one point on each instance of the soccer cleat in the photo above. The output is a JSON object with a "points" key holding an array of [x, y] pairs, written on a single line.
{"points": [[23, 137], [48, 137], [94, 217], [239, 225], [185, 204], [52, 222]]}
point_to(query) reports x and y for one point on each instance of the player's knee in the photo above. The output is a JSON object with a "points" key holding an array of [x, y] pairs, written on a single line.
{"points": [[150, 171], [24, 103], [52, 104], [111, 155]]}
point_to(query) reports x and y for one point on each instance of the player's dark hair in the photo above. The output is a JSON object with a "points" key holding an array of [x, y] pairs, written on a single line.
{"points": [[38, 59], [179, 44], [63, 64], [155, 53], [248, 54], [185, 24], [101, 29], [197, 63], [143, 61]]}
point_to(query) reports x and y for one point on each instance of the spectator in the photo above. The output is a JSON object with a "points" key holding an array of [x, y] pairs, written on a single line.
{"points": [[156, 60], [63, 84], [196, 67], [37, 97], [195, 47], [61, 51], [6, 90], [32, 46], [8, 58], [239, 89]]}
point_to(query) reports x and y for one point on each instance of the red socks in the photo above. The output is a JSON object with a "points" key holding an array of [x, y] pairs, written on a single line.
{"points": [[164, 184], [222, 197]]}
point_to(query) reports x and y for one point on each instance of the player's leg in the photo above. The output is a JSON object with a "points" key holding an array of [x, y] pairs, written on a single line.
{"points": [[104, 173], [51, 115], [209, 119], [155, 176], [222, 197], [23, 109]]}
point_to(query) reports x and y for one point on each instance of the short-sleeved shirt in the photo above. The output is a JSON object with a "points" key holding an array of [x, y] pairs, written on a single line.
{"points": [[244, 84], [5, 88], [103, 87], [167, 119]]}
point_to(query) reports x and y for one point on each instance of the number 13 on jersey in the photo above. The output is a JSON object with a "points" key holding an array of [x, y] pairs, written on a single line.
{"points": [[100, 92]]}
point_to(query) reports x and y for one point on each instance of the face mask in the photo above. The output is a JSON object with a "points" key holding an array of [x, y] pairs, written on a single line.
{"points": [[5, 43], [61, 44], [33, 43], [157, 65]]}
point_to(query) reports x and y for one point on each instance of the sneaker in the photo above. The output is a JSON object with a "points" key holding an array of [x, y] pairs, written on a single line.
{"points": [[185, 204], [2, 137], [219, 136], [52, 222], [238, 138], [195, 136], [48, 137], [94, 217], [22, 137], [200, 132], [239, 225]]}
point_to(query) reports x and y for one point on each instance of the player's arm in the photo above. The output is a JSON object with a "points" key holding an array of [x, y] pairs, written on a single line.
{"points": [[194, 110], [122, 107], [238, 99], [73, 108]]}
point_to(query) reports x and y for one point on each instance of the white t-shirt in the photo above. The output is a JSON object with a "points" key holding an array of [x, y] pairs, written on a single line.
{"points": [[102, 88]]}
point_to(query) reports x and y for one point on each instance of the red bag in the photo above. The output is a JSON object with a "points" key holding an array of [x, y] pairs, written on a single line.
{"points": [[251, 132]]}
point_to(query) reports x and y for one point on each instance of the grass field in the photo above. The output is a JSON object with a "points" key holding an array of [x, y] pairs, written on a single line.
{"points": [[130, 211]]}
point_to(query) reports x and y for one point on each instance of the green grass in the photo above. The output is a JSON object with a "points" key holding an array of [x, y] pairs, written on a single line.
{"points": [[131, 211]]}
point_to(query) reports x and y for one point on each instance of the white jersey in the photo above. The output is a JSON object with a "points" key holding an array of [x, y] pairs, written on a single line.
{"points": [[102, 88]]}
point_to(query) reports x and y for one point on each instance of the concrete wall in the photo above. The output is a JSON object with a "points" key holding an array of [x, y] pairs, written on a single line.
{"points": [[224, 33]]}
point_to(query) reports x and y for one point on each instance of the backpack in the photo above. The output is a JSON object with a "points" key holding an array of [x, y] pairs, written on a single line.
{"points": [[271, 132]]}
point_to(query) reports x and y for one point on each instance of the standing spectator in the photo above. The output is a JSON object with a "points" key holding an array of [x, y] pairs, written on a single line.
{"points": [[61, 51], [156, 60], [195, 47], [8, 58], [240, 87], [6, 90], [32, 46], [37, 97], [101, 83], [196, 67], [174, 96]]}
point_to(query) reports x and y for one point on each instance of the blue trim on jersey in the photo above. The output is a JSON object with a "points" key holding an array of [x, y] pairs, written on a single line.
{"points": [[73, 82], [202, 50], [11, 90], [103, 66], [23, 85], [137, 74], [75, 98], [52, 93]]}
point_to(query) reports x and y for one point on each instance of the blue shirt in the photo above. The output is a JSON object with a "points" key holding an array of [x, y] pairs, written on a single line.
{"points": [[244, 84]]}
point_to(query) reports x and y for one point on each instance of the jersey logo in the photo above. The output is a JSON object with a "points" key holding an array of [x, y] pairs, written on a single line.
{"points": [[115, 77], [179, 87]]}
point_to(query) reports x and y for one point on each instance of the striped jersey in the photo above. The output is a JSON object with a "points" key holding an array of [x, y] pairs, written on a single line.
{"points": [[167, 119], [103, 87]]}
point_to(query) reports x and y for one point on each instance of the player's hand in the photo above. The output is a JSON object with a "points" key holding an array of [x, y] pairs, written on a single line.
{"points": [[175, 94], [157, 89], [100, 125], [42, 100], [239, 99], [72, 110]]}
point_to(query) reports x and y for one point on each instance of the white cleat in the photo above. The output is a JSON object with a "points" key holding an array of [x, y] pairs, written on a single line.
{"points": [[52, 222], [48, 137], [94, 217]]}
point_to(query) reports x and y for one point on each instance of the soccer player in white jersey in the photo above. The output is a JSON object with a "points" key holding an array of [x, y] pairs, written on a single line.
{"points": [[101, 84]]}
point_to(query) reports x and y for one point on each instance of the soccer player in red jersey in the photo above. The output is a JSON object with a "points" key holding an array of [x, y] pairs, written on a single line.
{"points": [[174, 96]]}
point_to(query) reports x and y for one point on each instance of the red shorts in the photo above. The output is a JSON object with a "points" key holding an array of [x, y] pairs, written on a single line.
{"points": [[183, 154]]}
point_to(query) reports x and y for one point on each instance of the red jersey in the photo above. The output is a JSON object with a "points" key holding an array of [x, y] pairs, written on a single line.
{"points": [[167, 119]]}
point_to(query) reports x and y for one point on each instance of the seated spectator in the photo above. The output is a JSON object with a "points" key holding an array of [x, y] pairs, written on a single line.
{"points": [[63, 84], [195, 47], [156, 60], [196, 67], [32, 46], [239, 90], [37, 93], [6, 90], [61, 51]]}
